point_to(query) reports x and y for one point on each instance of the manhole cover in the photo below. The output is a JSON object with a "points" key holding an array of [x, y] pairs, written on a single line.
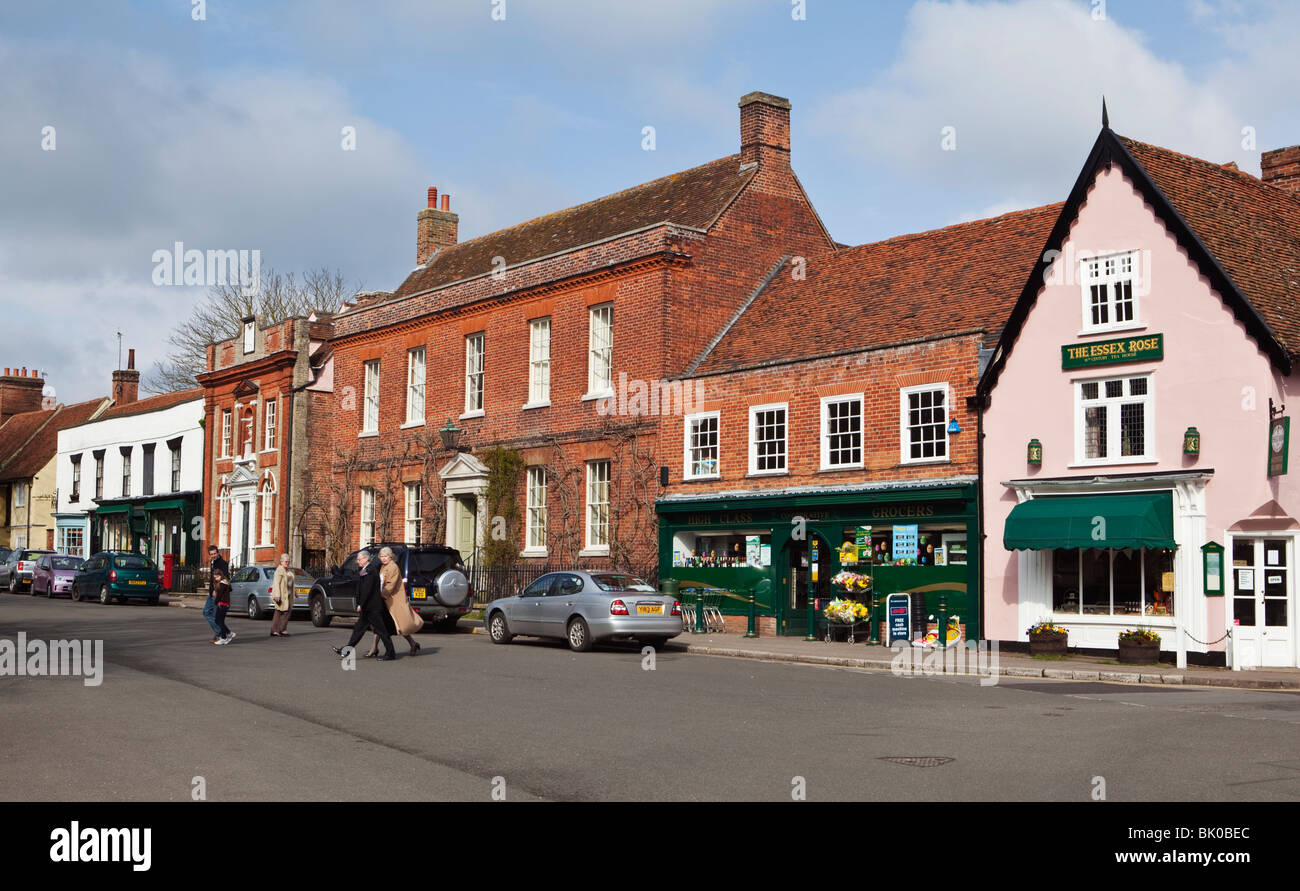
{"points": [[918, 761]]}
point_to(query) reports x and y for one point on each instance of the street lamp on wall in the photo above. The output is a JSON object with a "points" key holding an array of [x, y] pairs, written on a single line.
{"points": [[450, 436]]}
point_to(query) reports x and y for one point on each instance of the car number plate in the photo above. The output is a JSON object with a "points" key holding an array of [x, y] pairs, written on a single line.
{"points": [[302, 590], [650, 608], [136, 582], [419, 594]]}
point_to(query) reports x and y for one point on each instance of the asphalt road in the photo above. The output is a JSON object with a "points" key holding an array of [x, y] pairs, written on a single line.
{"points": [[278, 719]]}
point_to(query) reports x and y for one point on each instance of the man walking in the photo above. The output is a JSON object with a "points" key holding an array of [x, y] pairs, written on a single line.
{"points": [[370, 604], [215, 564]]}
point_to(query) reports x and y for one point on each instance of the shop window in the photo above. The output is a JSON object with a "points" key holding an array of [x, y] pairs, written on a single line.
{"points": [[767, 438], [841, 432], [924, 423], [1110, 292], [1100, 582], [701, 446], [728, 550], [1114, 420]]}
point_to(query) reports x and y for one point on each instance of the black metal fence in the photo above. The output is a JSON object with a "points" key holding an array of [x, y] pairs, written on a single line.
{"points": [[494, 582]]}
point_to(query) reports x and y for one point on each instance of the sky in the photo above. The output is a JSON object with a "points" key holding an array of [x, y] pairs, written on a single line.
{"points": [[220, 124]]}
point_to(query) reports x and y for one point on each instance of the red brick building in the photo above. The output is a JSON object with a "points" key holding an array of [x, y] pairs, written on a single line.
{"points": [[268, 406], [543, 339], [836, 435]]}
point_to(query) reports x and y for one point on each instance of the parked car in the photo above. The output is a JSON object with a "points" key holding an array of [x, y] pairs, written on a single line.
{"points": [[4, 553], [250, 587], [16, 570], [54, 574], [584, 608], [436, 585], [117, 575]]}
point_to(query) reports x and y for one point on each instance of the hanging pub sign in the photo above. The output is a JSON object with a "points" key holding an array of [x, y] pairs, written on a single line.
{"points": [[1111, 352], [1279, 444]]}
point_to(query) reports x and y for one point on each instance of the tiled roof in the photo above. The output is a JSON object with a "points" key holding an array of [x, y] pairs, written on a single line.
{"points": [[39, 449], [1250, 227], [957, 279], [17, 431], [153, 403], [693, 197]]}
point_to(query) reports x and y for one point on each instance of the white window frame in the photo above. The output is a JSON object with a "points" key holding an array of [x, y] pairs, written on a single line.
{"points": [[266, 500], [905, 429], [175, 466], [689, 446], [250, 336], [269, 411], [1108, 280], [20, 494], [415, 380], [600, 351], [127, 457], [367, 516], [413, 500], [825, 437], [754, 410], [370, 398], [597, 520], [535, 542], [475, 367], [76, 480], [223, 518], [227, 418], [1113, 418], [539, 363]]}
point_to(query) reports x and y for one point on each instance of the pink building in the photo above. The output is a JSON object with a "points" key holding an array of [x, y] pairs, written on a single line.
{"points": [[1135, 412]]}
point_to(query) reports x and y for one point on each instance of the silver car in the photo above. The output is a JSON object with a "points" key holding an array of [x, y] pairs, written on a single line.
{"points": [[585, 608], [250, 590]]}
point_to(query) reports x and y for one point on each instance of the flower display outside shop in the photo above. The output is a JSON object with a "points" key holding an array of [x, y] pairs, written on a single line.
{"points": [[1044, 627], [852, 582], [846, 611], [1139, 635]]}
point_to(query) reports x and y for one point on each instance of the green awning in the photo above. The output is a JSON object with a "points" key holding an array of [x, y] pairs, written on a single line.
{"points": [[105, 509], [170, 504], [1113, 522]]}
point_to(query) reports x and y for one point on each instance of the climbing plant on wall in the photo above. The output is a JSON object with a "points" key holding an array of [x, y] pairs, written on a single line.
{"points": [[505, 475]]}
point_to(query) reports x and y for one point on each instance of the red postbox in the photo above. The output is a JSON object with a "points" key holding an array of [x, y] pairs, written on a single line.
{"points": [[169, 563]]}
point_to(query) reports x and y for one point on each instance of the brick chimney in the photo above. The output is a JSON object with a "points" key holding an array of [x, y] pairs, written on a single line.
{"points": [[434, 228], [1282, 168], [765, 130], [19, 392], [126, 382]]}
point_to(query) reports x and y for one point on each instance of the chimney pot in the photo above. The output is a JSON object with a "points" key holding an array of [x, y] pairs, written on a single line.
{"points": [[446, 202], [433, 197], [130, 358]]}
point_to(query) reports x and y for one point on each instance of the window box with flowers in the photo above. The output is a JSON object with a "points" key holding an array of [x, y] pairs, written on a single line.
{"points": [[1139, 646], [1046, 639]]}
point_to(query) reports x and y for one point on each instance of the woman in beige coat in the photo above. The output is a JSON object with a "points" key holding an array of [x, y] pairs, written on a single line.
{"points": [[393, 590], [282, 597]]}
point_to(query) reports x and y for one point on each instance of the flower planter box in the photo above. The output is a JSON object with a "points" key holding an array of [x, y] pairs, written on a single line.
{"points": [[1047, 644], [1139, 652]]}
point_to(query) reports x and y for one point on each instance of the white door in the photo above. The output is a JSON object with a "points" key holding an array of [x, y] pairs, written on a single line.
{"points": [[1261, 602]]}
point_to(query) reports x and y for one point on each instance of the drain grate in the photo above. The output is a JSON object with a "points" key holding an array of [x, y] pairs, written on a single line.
{"points": [[918, 760]]}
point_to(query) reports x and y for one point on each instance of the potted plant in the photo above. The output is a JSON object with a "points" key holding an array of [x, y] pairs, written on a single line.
{"points": [[1046, 639], [1139, 646]]}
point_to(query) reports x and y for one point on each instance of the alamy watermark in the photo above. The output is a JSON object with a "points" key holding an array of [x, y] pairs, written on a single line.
{"points": [[977, 658], [194, 267], [655, 397], [55, 658]]}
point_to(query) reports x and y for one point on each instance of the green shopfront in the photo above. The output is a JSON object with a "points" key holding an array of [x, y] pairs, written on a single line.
{"points": [[787, 547], [151, 526]]}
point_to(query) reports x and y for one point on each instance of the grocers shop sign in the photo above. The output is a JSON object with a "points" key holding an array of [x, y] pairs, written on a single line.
{"points": [[1111, 352]]}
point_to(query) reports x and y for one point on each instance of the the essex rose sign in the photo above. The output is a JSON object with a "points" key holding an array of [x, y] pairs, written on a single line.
{"points": [[1110, 352]]}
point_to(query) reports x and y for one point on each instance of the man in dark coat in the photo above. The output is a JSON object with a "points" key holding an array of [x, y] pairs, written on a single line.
{"points": [[215, 562], [370, 604]]}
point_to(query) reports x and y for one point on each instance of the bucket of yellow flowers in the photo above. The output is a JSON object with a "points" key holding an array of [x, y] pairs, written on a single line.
{"points": [[1046, 639], [1139, 646], [843, 618]]}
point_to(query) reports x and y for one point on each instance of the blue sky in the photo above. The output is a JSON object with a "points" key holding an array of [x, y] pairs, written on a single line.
{"points": [[224, 132]]}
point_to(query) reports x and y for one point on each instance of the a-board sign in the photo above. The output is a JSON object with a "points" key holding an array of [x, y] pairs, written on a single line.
{"points": [[899, 608]]}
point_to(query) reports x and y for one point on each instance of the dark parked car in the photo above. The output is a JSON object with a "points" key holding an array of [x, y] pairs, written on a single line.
{"points": [[16, 570], [117, 575], [54, 574], [250, 587], [436, 585]]}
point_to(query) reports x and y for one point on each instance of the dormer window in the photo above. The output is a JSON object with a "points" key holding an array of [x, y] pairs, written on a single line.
{"points": [[1110, 292], [248, 335]]}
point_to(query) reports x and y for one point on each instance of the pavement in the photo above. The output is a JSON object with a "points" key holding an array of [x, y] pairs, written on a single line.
{"points": [[1074, 666]]}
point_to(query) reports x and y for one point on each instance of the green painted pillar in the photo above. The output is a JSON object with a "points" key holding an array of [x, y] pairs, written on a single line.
{"points": [[753, 617]]}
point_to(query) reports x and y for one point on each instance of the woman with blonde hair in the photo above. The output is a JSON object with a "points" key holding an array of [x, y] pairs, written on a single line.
{"points": [[392, 587]]}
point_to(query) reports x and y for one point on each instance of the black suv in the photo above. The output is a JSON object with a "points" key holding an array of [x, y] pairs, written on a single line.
{"points": [[436, 585]]}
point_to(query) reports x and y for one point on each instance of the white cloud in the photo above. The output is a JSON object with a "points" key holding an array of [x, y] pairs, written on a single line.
{"points": [[1022, 82]]}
